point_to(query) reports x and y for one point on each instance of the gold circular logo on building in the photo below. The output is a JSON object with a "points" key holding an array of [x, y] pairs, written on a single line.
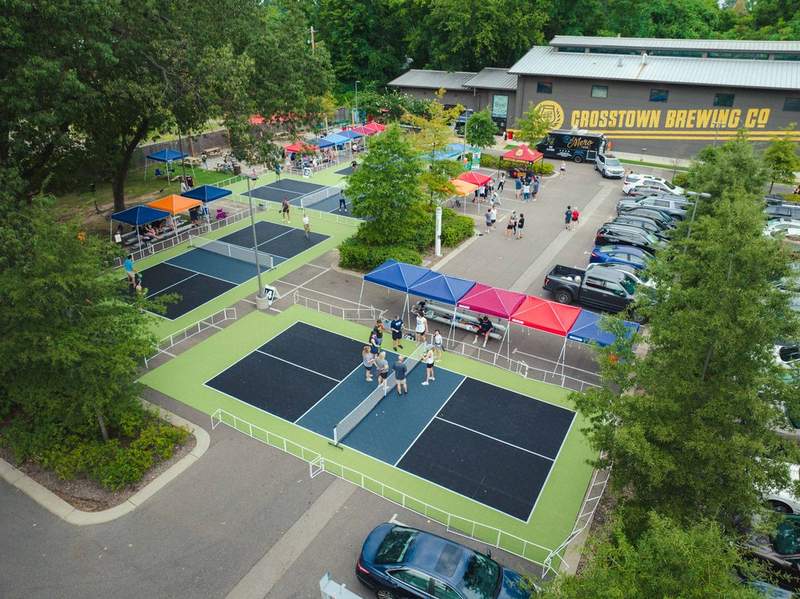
{"points": [[552, 110]]}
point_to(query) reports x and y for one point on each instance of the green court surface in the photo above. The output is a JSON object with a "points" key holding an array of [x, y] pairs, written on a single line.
{"points": [[336, 228], [559, 502]]}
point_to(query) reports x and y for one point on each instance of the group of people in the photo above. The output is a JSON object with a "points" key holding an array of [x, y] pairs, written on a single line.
{"points": [[571, 215], [526, 187], [515, 225], [285, 217]]}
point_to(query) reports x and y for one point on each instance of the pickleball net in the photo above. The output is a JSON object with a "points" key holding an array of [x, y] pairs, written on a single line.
{"points": [[236, 252], [346, 425]]}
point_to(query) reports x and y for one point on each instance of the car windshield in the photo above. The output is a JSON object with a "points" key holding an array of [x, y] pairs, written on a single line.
{"points": [[789, 353], [628, 285], [481, 577], [613, 162], [395, 546], [668, 184]]}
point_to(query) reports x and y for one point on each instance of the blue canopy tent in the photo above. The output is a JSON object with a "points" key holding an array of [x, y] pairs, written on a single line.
{"points": [[586, 329], [322, 142], [166, 156], [349, 134], [394, 275], [337, 139], [443, 288], [137, 216], [207, 193]]}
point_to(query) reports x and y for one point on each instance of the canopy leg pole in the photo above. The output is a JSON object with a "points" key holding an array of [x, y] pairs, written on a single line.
{"points": [[361, 293], [560, 361], [451, 336]]}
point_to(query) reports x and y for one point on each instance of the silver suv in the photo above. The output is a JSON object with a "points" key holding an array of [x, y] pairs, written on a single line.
{"points": [[609, 166]]}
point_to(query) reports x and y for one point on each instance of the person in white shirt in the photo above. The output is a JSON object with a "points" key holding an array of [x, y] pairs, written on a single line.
{"points": [[306, 225], [421, 328], [429, 359]]}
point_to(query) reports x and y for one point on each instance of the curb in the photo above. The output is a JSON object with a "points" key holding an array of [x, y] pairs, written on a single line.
{"points": [[58, 507]]}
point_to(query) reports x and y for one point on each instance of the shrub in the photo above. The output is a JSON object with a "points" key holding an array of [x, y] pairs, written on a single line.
{"points": [[490, 161], [356, 255], [455, 228], [681, 179], [543, 168]]}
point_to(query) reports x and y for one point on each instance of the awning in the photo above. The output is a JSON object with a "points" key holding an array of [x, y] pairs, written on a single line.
{"points": [[166, 155], [491, 300], [523, 153], [301, 147], [175, 204], [396, 275], [139, 215], [586, 329], [544, 315], [207, 193], [336, 139], [442, 288], [463, 188], [350, 134], [475, 178]]}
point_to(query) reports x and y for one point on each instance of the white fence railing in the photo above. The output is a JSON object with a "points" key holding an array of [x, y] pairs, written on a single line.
{"points": [[454, 523], [307, 204], [359, 313], [211, 322]]}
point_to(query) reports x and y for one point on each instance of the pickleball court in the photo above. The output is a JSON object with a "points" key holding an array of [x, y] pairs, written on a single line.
{"points": [[302, 193], [482, 441]]}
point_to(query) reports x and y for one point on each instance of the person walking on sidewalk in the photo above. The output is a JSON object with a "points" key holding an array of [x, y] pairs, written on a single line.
{"points": [[511, 227], [502, 181], [575, 215], [568, 218], [517, 187], [488, 217], [520, 225], [535, 187], [493, 210]]}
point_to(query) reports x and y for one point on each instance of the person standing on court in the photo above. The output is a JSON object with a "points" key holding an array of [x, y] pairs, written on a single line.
{"points": [[306, 225], [285, 209], [438, 344], [421, 328], [429, 359], [342, 203], [130, 269], [568, 218], [400, 372], [368, 360], [376, 338], [397, 332], [382, 366]]}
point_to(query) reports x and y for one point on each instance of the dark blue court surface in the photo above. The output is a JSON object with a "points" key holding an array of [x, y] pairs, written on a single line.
{"points": [[200, 275], [484, 442], [309, 195]]}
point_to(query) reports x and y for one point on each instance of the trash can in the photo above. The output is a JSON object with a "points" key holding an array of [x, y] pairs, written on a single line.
{"points": [[237, 169], [509, 134]]}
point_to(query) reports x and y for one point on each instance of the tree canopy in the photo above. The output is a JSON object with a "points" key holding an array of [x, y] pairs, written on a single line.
{"points": [[480, 129], [782, 160]]}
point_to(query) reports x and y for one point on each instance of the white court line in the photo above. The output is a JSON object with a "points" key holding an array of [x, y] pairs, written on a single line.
{"points": [[329, 392], [552, 467], [298, 366], [472, 430], [191, 276], [463, 378]]}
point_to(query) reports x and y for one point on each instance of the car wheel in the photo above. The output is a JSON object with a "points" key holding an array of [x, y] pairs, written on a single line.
{"points": [[384, 594], [780, 507], [578, 159], [563, 297]]}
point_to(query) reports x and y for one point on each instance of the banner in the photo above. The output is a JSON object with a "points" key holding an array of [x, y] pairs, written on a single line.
{"points": [[500, 106]]}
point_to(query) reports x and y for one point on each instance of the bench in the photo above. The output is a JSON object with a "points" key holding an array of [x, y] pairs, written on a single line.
{"points": [[465, 322]]}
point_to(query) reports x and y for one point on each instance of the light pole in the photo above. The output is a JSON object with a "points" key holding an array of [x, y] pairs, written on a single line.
{"points": [[698, 196], [355, 115], [261, 300]]}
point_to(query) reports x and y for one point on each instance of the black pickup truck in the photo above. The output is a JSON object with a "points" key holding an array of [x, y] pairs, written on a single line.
{"points": [[604, 289]]}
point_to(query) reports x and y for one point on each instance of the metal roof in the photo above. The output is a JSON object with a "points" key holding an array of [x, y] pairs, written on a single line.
{"points": [[725, 72], [493, 78], [644, 43], [432, 79]]}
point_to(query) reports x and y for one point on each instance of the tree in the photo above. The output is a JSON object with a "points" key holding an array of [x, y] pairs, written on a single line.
{"points": [[782, 160], [533, 125], [71, 345], [385, 189], [663, 18], [689, 428], [480, 129], [733, 164], [667, 561]]}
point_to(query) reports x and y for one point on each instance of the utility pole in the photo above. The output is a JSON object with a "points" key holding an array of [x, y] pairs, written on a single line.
{"points": [[313, 43]]}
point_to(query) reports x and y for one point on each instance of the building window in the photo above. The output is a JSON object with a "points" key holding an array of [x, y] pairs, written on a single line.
{"points": [[680, 53], [792, 104], [623, 51], [659, 95], [599, 91], [544, 87], [579, 49], [723, 99], [740, 55], [781, 56]]}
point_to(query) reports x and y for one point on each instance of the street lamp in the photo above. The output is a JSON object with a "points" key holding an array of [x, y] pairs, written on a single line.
{"points": [[698, 196], [355, 116], [262, 303]]}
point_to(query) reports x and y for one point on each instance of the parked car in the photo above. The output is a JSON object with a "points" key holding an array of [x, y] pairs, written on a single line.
{"points": [[787, 354], [648, 224], [399, 562], [633, 274], [610, 234], [784, 500], [621, 254], [786, 229], [785, 210], [674, 208], [635, 177], [647, 186], [662, 218], [609, 166], [604, 289]]}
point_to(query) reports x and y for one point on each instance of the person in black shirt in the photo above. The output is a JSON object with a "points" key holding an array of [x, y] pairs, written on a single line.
{"points": [[485, 327], [397, 332]]}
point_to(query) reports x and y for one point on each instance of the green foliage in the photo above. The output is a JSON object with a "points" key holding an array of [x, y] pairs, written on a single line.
{"points": [[681, 180], [667, 561], [532, 126], [481, 129], [540, 168], [357, 255], [490, 161], [455, 228], [386, 106], [144, 440], [782, 160], [689, 427]]}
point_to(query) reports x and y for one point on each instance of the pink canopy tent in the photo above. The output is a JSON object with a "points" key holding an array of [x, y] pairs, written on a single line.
{"points": [[475, 178], [377, 127], [493, 301], [364, 130]]}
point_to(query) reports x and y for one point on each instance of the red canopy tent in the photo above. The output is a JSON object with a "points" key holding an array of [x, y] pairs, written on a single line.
{"points": [[301, 147], [377, 127], [492, 301], [544, 315], [475, 178], [523, 153], [364, 130], [257, 119]]}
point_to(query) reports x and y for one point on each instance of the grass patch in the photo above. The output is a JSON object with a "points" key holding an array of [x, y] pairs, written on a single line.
{"points": [[668, 167]]}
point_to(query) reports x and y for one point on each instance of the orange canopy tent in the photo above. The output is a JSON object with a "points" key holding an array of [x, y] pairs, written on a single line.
{"points": [[463, 188], [175, 204], [523, 153]]}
